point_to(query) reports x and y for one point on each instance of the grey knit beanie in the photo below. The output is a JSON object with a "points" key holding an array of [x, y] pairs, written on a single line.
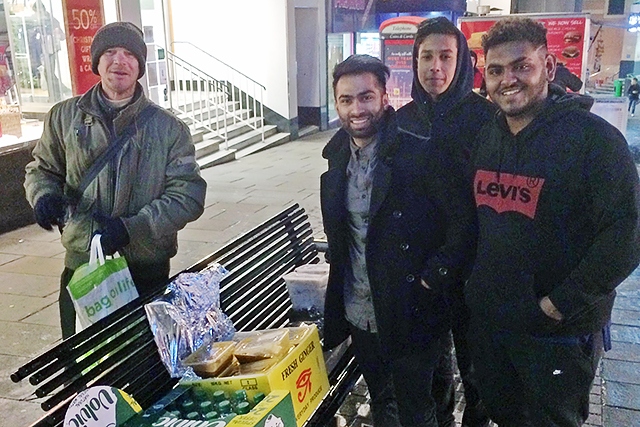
{"points": [[119, 34]]}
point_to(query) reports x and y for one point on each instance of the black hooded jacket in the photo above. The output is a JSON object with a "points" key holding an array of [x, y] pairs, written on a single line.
{"points": [[456, 117], [558, 216]]}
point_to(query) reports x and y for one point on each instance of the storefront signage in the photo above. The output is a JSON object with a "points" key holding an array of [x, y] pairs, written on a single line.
{"points": [[567, 37], [82, 19]]}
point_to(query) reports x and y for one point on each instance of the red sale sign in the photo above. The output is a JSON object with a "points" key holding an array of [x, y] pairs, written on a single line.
{"points": [[82, 19], [567, 37]]}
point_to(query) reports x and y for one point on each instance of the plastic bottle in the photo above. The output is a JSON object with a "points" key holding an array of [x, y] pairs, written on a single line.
{"points": [[193, 415], [243, 408], [224, 407], [188, 406], [240, 396], [206, 407], [258, 397], [199, 395], [219, 396], [211, 415]]}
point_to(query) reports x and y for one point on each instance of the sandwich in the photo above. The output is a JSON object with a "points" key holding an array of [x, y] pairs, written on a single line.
{"points": [[571, 52], [475, 41], [572, 37]]}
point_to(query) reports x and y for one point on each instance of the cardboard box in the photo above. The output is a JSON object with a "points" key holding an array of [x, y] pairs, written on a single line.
{"points": [[302, 372], [276, 410], [10, 122]]}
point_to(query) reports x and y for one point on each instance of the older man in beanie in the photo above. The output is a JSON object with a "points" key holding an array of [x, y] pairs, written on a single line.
{"points": [[149, 186]]}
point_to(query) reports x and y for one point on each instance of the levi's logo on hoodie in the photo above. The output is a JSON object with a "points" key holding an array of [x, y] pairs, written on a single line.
{"points": [[504, 192]]}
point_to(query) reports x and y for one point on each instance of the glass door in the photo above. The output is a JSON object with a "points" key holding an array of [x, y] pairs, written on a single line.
{"points": [[339, 48], [153, 25], [39, 51]]}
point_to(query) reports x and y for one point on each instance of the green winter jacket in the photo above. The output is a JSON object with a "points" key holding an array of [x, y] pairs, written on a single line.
{"points": [[153, 183]]}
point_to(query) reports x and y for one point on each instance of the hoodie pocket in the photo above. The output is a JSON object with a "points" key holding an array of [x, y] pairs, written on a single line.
{"points": [[532, 319], [521, 311]]}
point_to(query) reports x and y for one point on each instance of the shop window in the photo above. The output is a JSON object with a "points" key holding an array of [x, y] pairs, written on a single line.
{"points": [[40, 59]]}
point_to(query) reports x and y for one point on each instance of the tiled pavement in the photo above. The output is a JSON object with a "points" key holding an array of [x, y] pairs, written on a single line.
{"points": [[240, 195]]}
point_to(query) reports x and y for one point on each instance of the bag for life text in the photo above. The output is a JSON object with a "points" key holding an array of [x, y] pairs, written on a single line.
{"points": [[101, 286]]}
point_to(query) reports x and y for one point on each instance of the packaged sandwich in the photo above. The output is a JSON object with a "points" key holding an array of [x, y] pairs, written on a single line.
{"points": [[212, 359], [232, 369], [263, 345], [257, 367]]}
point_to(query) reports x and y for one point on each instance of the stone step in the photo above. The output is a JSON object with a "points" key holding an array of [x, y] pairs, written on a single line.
{"points": [[251, 137], [272, 141], [207, 147], [217, 158], [197, 135], [242, 142], [308, 130]]}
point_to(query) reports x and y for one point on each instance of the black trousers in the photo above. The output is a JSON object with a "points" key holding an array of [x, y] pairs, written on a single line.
{"points": [[529, 381], [147, 278], [443, 378], [400, 389]]}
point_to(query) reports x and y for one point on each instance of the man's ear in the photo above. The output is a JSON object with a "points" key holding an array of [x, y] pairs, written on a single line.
{"points": [[385, 100], [550, 62]]}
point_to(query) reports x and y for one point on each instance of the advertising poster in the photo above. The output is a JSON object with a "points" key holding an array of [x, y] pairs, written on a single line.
{"points": [[567, 38], [397, 48], [397, 55], [82, 19]]}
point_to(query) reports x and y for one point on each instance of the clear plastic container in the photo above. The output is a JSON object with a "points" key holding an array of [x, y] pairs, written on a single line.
{"points": [[307, 287]]}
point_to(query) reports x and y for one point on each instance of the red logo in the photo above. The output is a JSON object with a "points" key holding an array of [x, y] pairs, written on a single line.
{"points": [[504, 192], [304, 382]]}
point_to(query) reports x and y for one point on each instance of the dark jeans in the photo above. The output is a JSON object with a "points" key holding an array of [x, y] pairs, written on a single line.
{"points": [[632, 105], [529, 381], [400, 389], [443, 378], [147, 278], [444, 387]]}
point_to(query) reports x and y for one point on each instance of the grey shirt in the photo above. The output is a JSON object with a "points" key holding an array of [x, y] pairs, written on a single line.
{"points": [[357, 291]]}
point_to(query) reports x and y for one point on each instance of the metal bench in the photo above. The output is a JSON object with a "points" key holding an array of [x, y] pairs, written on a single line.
{"points": [[119, 350]]}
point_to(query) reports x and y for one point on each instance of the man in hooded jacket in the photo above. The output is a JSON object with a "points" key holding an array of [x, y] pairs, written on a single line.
{"points": [[400, 232], [446, 109], [557, 198]]}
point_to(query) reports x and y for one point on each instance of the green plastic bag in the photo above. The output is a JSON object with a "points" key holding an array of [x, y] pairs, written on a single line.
{"points": [[101, 286]]}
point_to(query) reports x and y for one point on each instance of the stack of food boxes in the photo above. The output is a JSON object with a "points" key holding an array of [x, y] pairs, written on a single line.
{"points": [[264, 378]]}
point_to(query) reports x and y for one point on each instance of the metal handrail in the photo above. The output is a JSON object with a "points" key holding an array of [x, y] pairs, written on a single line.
{"points": [[199, 104], [246, 94], [219, 60]]}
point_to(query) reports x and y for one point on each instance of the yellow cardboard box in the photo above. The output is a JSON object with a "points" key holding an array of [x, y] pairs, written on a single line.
{"points": [[302, 372]]}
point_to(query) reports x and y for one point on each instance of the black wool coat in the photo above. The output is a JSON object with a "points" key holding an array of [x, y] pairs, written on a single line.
{"points": [[421, 226]]}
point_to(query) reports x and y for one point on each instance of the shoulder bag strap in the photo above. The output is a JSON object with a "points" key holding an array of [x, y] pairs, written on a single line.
{"points": [[113, 149]]}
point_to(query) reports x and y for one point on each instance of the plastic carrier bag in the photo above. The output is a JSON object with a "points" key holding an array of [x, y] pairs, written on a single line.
{"points": [[101, 286]]}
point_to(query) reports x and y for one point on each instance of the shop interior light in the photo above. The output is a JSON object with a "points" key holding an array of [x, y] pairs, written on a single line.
{"points": [[633, 22]]}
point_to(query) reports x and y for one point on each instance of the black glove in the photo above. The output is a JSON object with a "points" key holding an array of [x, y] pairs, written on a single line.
{"points": [[50, 210], [114, 234]]}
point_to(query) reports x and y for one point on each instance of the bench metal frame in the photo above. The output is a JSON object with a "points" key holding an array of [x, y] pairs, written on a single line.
{"points": [[119, 350]]}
